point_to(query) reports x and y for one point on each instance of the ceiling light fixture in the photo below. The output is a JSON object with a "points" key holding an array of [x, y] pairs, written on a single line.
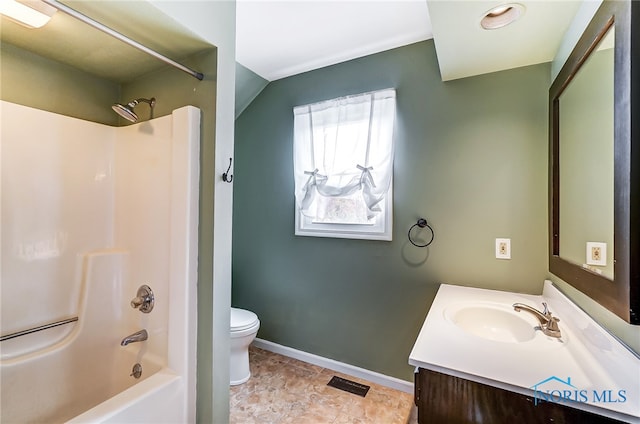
{"points": [[502, 15], [30, 13]]}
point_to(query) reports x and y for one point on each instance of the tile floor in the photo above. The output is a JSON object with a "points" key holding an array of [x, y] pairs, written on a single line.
{"points": [[284, 390]]}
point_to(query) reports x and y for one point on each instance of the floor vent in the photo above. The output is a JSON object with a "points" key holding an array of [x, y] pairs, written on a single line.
{"points": [[348, 386]]}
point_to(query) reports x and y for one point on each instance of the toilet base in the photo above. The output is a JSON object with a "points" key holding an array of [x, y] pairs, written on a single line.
{"points": [[244, 328], [239, 371], [239, 382]]}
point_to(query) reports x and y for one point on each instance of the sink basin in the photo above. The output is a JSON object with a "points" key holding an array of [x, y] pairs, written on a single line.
{"points": [[499, 323]]}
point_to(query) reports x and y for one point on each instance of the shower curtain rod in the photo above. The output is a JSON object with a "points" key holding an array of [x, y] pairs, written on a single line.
{"points": [[72, 12]]}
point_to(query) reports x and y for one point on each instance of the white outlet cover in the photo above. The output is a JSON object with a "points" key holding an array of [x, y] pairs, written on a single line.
{"points": [[591, 260], [507, 251]]}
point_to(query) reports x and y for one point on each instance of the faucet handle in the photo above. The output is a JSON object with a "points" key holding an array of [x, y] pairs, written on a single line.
{"points": [[545, 311], [552, 328], [136, 302], [144, 299]]}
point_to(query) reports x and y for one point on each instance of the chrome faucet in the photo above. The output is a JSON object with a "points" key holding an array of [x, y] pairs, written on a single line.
{"points": [[138, 336], [144, 299], [548, 323]]}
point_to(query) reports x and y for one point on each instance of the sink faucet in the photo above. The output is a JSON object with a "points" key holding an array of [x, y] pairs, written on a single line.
{"points": [[138, 336], [548, 323]]}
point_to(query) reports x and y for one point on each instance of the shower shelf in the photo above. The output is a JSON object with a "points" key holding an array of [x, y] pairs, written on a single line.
{"points": [[39, 328]]}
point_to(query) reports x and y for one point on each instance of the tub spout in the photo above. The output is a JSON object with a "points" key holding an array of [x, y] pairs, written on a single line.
{"points": [[138, 336]]}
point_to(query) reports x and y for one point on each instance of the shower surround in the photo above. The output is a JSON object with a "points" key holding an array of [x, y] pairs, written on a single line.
{"points": [[89, 213]]}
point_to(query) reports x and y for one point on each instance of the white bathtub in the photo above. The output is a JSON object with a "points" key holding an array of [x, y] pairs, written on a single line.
{"points": [[79, 372], [52, 389], [85, 374], [152, 400]]}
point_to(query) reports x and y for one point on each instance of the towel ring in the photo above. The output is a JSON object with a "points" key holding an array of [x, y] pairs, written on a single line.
{"points": [[421, 223]]}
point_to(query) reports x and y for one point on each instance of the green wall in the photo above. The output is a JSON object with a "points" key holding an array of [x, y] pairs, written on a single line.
{"points": [[471, 158], [32, 80], [248, 86]]}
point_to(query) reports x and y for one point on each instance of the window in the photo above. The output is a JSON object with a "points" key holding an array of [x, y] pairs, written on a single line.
{"points": [[343, 166]]}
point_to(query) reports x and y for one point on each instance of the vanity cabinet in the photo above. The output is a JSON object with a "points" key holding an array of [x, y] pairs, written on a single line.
{"points": [[443, 398]]}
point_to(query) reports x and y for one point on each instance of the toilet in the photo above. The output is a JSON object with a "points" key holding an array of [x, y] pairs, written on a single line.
{"points": [[244, 327]]}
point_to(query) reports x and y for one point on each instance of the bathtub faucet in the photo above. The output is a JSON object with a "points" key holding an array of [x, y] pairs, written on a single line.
{"points": [[138, 336], [548, 323]]}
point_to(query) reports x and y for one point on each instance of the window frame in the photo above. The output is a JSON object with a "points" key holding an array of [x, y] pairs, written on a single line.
{"points": [[382, 230], [380, 226]]}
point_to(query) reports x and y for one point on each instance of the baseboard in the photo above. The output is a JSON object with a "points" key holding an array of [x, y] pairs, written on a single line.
{"points": [[372, 376]]}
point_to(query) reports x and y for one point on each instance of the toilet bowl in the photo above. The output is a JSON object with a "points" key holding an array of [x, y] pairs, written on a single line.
{"points": [[244, 327]]}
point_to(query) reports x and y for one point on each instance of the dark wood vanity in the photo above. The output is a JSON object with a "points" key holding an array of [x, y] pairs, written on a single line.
{"points": [[443, 398]]}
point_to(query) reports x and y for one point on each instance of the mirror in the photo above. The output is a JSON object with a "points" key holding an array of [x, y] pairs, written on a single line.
{"points": [[594, 224], [586, 162]]}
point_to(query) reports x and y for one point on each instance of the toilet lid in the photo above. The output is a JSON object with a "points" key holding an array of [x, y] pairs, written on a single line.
{"points": [[242, 319]]}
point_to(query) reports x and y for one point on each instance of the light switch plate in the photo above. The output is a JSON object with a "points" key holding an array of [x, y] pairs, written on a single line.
{"points": [[596, 253]]}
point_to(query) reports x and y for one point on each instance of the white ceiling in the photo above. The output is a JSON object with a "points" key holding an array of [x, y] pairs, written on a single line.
{"points": [[276, 39], [465, 49], [279, 38]]}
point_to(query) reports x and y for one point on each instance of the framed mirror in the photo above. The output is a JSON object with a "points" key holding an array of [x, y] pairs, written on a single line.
{"points": [[594, 205]]}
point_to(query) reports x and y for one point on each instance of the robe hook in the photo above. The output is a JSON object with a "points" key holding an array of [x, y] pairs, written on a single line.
{"points": [[225, 176]]}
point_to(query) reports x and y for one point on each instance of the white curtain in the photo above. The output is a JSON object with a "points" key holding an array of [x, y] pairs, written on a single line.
{"points": [[344, 148]]}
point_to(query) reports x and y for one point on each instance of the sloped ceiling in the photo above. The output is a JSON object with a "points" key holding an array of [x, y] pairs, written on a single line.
{"points": [[465, 49], [276, 39], [68, 40]]}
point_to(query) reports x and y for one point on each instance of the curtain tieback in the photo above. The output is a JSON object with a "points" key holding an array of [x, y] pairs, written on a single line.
{"points": [[366, 175], [313, 178]]}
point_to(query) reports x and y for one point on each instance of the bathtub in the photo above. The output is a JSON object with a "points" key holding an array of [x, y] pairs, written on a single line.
{"points": [[144, 183], [51, 390], [115, 397], [85, 375]]}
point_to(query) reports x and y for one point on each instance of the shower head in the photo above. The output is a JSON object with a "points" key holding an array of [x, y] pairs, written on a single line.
{"points": [[126, 111]]}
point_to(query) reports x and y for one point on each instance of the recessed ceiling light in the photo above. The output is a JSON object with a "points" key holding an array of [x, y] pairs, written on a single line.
{"points": [[500, 10], [502, 15]]}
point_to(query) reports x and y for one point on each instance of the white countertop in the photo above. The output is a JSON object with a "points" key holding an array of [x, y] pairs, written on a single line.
{"points": [[600, 374]]}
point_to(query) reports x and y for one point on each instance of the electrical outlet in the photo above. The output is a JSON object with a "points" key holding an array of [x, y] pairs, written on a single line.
{"points": [[503, 248], [596, 253]]}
